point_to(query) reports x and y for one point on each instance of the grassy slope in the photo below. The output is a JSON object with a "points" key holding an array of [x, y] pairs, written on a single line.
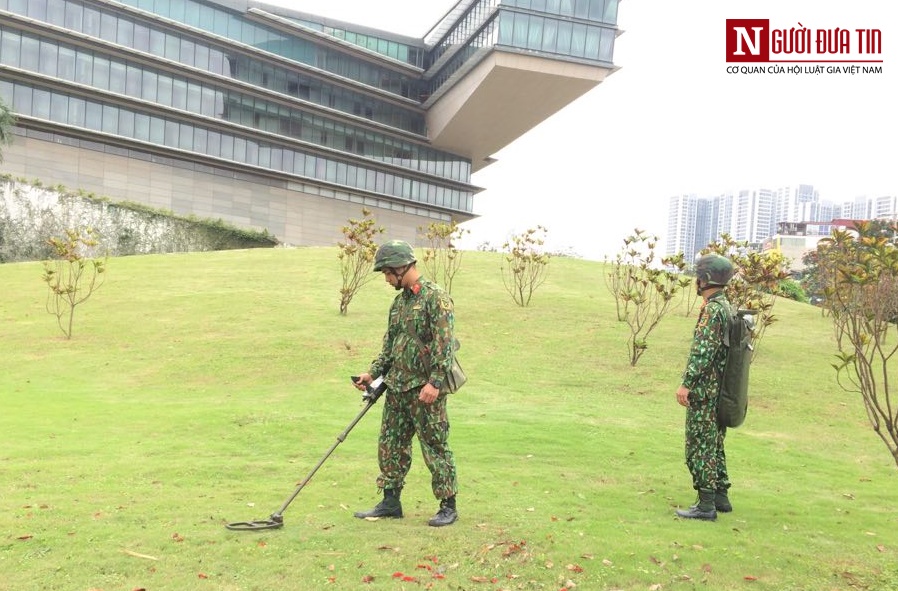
{"points": [[199, 389]]}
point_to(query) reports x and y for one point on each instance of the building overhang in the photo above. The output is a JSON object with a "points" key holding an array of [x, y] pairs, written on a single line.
{"points": [[504, 96]]}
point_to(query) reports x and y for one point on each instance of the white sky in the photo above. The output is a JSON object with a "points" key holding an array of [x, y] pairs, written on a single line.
{"points": [[671, 121]]}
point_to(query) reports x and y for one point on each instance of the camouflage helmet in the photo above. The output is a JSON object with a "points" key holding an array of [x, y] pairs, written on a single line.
{"points": [[394, 254], [714, 269]]}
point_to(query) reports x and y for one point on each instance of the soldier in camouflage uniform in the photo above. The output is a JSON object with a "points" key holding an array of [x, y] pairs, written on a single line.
{"points": [[421, 317], [700, 388]]}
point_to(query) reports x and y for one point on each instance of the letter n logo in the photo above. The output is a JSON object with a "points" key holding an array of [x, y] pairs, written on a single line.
{"points": [[748, 40]]}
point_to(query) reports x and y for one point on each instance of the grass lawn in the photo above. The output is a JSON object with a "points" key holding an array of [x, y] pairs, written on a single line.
{"points": [[199, 389]]}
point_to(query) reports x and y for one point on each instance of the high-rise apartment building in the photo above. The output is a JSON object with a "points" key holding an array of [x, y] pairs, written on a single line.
{"points": [[757, 215], [271, 118]]}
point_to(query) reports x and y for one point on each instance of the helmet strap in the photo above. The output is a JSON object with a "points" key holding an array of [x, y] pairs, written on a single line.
{"points": [[399, 274]]}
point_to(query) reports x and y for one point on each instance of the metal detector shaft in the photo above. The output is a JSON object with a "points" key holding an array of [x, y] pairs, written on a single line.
{"points": [[276, 520]]}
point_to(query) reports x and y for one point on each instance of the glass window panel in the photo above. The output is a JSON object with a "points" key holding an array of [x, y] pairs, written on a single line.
{"points": [[218, 64], [83, 68], [227, 147], [73, 12], [179, 94], [30, 53], [172, 47], [200, 140], [208, 102], [157, 130], [553, 6], [578, 40], [566, 8], [108, 26], [565, 30], [185, 137], [148, 86], [101, 72], [214, 144], [142, 127], [125, 123], [59, 108], [175, 9], [66, 64], [550, 35], [117, 77], [219, 23], [110, 119], [239, 149], [125, 32], [157, 42], [611, 11], [593, 36], [606, 45], [194, 97], [188, 51], [93, 116], [10, 48], [581, 8], [521, 23], [164, 91], [192, 14], [535, 34], [18, 6], [37, 9], [310, 164], [252, 153], [264, 156], [596, 9], [21, 99], [56, 12], [201, 57], [41, 107], [506, 27], [133, 77], [141, 41], [539, 5], [77, 112], [90, 23], [49, 54], [299, 162]]}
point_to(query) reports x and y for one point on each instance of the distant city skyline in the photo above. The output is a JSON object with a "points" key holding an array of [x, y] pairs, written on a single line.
{"points": [[754, 214]]}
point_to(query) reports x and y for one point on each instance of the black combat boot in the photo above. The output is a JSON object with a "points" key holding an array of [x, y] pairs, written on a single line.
{"points": [[446, 515], [704, 509], [389, 507], [722, 501]]}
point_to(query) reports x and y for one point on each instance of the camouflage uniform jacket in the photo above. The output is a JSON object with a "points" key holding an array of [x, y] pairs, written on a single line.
{"points": [[428, 310], [707, 356]]}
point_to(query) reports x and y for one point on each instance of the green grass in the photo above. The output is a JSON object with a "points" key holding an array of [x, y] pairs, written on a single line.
{"points": [[198, 389]]}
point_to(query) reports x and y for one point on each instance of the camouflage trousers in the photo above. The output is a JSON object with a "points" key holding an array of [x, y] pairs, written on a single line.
{"points": [[405, 416], [705, 456]]}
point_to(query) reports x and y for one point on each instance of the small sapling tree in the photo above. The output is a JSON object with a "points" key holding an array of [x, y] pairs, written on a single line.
{"points": [[859, 275], [72, 276], [643, 290], [356, 254], [525, 264], [441, 258]]}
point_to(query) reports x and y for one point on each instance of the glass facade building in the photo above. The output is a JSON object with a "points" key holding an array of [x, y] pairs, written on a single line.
{"points": [[257, 94]]}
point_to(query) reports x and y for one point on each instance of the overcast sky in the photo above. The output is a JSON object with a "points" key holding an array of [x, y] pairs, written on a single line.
{"points": [[672, 121]]}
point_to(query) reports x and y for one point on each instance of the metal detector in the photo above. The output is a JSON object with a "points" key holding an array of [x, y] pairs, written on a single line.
{"points": [[276, 519]]}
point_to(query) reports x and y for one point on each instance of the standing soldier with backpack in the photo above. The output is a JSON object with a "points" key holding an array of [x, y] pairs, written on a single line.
{"points": [[700, 389]]}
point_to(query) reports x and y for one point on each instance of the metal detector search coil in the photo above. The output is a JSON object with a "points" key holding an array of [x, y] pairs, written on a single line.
{"points": [[276, 520]]}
